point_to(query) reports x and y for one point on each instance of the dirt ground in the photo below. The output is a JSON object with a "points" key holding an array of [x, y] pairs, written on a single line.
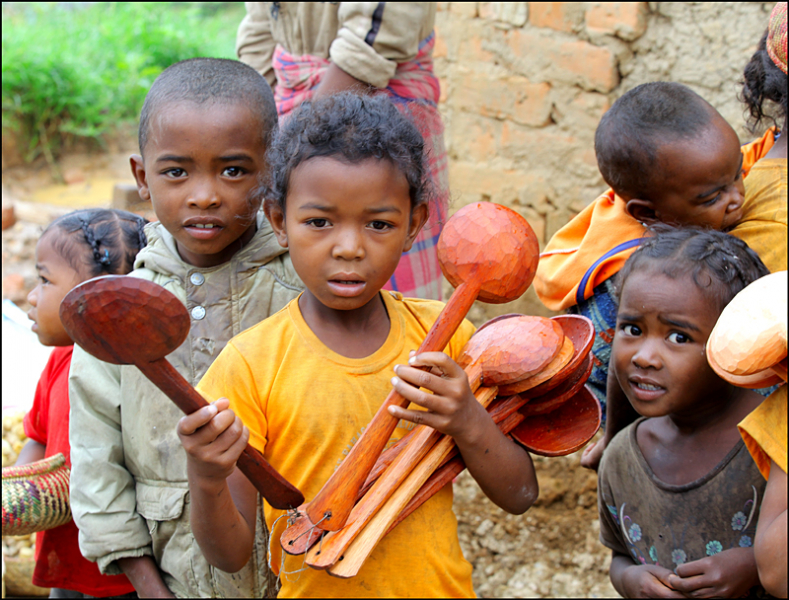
{"points": [[550, 551]]}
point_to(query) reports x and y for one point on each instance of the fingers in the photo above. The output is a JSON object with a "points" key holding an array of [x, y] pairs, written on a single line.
{"points": [[213, 434], [420, 417]]}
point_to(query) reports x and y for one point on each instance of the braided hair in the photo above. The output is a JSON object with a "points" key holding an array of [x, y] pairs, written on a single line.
{"points": [[99, 241], [720, 264]]}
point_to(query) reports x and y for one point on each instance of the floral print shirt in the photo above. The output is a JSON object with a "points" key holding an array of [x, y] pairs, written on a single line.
{"points": [[667, 525]]}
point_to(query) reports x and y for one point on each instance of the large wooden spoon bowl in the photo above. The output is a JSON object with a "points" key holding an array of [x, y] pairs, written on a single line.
{"points": [[131, 321], [490, 244], [564, 430]]}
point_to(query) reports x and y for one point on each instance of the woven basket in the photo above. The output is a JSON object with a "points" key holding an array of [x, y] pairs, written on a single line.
{"points": [[36, 496]]}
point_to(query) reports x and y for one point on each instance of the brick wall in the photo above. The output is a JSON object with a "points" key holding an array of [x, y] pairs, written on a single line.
{"points": [[524, 84]]}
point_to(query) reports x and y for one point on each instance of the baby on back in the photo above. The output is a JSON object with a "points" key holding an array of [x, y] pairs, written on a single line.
{"points": [[669, 157]]}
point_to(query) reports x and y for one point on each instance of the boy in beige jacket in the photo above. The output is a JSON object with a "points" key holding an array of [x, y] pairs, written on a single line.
{"points": [[204, 131]]}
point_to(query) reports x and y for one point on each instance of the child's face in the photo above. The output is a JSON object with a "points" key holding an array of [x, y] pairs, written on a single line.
{"points": [[201, 168], [700, 181], [56, 278], [658, 349], [346, 226]]}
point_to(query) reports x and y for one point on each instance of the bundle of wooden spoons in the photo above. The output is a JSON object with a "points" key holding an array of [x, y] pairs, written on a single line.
{"points": [[549, 356]]}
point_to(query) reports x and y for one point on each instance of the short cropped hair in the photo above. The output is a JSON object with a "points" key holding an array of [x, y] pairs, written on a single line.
{"points": [[630, 134], [762, 84], [720, 264], [351, 128], [210, 81]]}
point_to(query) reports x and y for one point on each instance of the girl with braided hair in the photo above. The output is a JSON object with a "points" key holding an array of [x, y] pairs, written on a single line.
{"points": [[74, 248], [679, 494]]}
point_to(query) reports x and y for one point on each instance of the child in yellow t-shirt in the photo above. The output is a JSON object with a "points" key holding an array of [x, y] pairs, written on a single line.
{"points": [[347, 198]]}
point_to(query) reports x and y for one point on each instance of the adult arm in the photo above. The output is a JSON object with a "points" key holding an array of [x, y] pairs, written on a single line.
{"points": [[254, 42], [103, 495], [770, 543]]}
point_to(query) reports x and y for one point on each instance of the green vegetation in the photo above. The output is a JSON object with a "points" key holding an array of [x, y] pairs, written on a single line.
{"points": [[76, 70]]}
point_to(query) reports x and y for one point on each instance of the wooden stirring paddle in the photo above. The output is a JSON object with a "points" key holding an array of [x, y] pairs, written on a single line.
{"points": [[131, 321], [488, 252]]}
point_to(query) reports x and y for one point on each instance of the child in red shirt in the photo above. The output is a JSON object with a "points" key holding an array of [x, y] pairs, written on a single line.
{"points": [[76, 247]]}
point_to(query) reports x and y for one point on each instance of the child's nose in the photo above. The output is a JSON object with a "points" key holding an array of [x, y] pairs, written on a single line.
{"points": [[348, 245], [32, 297], [736, 197], [647, 356], [203, 196]]}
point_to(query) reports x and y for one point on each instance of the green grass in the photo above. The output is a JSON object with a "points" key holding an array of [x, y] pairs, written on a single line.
{"points": [[77, 70]]}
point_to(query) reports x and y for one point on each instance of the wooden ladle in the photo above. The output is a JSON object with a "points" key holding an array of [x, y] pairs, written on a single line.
{"points": [[488, 252], [131, 321]]}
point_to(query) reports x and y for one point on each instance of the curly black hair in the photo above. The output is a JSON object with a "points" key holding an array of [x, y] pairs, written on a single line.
{"points": [[720, 264], [98, 241], [763, 81], [351, 128]]}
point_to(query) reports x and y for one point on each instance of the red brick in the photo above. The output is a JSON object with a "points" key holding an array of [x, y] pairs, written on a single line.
{"points": [[627, 20], [591, 67], [472, 137], [9, 217], [514, 97], [575, 62], [562, 16], [440, 49]]}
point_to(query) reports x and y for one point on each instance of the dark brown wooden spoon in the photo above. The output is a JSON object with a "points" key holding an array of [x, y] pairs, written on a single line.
{"points": [[131, 321]]}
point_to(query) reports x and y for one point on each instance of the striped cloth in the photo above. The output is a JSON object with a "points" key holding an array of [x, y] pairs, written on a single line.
{"points": [[415, 91]]}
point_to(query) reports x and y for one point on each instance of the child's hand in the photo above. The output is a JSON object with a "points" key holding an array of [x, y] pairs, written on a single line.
{"points": [[590, 459], [451, 409], [213, 438], [729, 574], [647, 581]]}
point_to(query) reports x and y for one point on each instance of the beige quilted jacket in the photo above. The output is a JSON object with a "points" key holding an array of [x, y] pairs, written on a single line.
{"points": [[129, 493]]}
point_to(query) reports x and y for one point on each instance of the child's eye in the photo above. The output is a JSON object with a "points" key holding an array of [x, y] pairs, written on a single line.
{"points": [[318, 223], [174, 173], [633, 330], [679, 338], [43, 279], [380, 225], [712, 200], [233, 172]]}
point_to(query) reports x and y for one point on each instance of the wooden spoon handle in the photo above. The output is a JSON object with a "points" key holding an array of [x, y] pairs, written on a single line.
{"points": [[271, 485], [334, 502]]}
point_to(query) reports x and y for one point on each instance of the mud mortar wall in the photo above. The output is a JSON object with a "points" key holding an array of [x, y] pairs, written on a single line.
{"points": [[524, 84]]}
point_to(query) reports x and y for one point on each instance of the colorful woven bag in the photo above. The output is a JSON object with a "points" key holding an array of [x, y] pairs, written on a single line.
{"points": [[36, 496]]}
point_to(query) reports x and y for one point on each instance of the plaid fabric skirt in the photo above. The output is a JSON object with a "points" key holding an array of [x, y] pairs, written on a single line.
{"points": [[415, 91]]}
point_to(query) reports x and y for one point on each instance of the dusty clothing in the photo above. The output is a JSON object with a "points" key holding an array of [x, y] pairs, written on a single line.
{"points": [[59, 563], [129, 490], [305, 406], [364, 39], [764, 432], [655, 523]]}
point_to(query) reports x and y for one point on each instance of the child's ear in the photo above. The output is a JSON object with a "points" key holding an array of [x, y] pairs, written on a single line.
{"points": [[642, 211], [276, 216], [138, 170], [419, 216]]}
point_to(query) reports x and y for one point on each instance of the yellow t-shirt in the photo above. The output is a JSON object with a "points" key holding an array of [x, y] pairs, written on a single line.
{"points": [[763, 223], [764, 432], [305, 407]]}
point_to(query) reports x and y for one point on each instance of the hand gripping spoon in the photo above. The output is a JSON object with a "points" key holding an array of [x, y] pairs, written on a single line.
{"points": [[130, 321]]}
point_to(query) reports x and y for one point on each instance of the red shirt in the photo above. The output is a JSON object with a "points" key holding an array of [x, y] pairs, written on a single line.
{"points": [[59, 562]]}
